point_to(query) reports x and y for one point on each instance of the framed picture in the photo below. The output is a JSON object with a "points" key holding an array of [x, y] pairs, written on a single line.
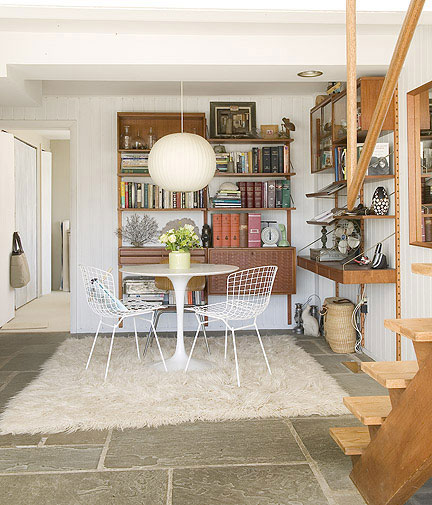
{"points": [[232, 119], [269, 131]]}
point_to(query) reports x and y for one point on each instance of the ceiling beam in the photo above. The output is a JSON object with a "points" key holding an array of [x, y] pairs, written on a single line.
{"points": [[385, 97]]}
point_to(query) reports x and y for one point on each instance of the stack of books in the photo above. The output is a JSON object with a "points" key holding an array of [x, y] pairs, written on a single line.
{"points": [[135, 195], [134, 163], [191, 298], [142, 290], [227, 198], [268, 194], [259, 160], [237, 230]]}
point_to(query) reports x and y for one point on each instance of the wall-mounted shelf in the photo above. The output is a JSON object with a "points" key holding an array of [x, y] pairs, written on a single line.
{"points": [[250, 209], [364, 217], [250, 141], [351, 274], [140, 209], [261, 175]]}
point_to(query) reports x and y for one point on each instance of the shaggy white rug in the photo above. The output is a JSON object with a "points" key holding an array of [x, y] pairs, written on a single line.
{"points": [[66, 397]]}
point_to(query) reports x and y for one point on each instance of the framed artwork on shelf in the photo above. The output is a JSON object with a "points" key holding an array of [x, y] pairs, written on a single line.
{"points": [[232, 119], [269, 131]]}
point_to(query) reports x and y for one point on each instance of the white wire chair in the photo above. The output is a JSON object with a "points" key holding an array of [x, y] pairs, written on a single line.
{"points": [[100, 294], [248, 294]]}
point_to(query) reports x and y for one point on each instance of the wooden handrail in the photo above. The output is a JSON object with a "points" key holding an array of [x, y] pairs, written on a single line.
{"points": [[385, 97], [351, 50]]}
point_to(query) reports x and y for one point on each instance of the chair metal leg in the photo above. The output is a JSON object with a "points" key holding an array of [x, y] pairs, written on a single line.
{"points": [[159, 347], [235, 356], [150, 334], [136, 339], [94, 343], [204, 333], [193, 346], [262, 347], [110, 351], [226, 341]]}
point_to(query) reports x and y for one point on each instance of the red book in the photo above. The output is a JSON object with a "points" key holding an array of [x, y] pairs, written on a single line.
{"points": [[258, 195], [127, 195], [250, 194], [235, 230], [226, 230], [254, 230], [217, 230], [242, 188]]}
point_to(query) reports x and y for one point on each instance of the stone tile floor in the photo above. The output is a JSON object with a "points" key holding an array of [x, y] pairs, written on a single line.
{"points": [[253, 462]]}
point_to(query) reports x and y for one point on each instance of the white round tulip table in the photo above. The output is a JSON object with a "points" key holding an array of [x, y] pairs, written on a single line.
{"points": [[179, 279]]}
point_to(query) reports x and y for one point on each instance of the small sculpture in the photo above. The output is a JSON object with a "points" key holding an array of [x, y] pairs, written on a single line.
{"points": [[287, 126], [298, 319], [310, 324], [206, 236]]}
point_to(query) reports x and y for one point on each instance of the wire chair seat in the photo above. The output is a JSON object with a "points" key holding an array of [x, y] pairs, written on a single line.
{"points": [[235, 310]]}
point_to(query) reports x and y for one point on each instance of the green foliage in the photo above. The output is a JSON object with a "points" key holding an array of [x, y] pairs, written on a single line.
{"points": [[183, 239]]}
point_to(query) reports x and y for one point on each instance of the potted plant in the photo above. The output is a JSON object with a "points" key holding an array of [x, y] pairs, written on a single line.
{"points": [[179, 242]]}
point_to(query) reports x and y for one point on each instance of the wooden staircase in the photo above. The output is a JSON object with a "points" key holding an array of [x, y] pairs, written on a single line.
{"points": [[392, 453]]}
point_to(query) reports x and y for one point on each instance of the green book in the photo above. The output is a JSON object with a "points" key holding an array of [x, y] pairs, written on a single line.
{"points": [[146, 205], [286, 194]]}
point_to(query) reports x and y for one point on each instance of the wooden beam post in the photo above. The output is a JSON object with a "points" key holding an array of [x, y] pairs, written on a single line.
{"points": [[351, 56], [387, 90]]}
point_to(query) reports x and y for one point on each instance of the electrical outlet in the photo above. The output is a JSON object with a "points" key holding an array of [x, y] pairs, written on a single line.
{"points": [[364, 306]]}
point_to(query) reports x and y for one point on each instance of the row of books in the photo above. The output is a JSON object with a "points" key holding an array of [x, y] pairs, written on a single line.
{"points": [[135, 195], [134, 163], [259, 160], [236, 230], [268, 194]]}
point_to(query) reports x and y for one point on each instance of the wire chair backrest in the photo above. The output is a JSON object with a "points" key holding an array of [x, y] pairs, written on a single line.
{"points": [[100, 291], [251, 287]]}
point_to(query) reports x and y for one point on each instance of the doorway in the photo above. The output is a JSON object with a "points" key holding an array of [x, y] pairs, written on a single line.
{"points": [[42, 217]]}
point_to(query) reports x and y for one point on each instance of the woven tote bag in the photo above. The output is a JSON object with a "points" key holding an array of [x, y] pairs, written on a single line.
{"points": [[19, 269]]}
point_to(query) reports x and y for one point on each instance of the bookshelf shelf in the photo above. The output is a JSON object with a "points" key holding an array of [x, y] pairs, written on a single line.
{"points": [[141, 209], [364, 217], [133, 150], [250, 141], [249, 209], [276, 175]]}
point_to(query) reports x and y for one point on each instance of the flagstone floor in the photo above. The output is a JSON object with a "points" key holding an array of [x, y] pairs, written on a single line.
{"points": [[254, 462]]}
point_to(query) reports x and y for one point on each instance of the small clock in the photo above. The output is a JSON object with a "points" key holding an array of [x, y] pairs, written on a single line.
{"points": [[270, 236]]}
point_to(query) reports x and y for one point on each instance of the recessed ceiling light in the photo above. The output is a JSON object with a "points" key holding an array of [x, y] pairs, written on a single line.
{"points": [[310, 73]]}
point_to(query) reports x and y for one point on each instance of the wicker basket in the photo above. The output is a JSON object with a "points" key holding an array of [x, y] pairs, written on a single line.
{"points": [[338, 330]]}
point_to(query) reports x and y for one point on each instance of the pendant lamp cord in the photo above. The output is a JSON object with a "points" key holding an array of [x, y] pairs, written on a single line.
{"points": [[181, 104]]}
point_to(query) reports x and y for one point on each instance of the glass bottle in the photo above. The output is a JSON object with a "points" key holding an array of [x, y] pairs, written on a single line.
{"points": [[151, 138], [138, 142], [126, 139]]}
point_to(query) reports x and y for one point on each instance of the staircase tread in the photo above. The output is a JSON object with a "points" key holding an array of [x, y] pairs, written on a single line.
{"points": [[421, 268], [370, 410], [352, 440], [391, 374], [417, 329]]}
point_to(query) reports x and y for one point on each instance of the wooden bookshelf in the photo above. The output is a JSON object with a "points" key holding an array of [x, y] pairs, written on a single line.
{"points": [[164, 124]]}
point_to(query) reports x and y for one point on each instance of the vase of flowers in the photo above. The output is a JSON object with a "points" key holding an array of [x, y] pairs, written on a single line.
{"points": [[179, 242]]}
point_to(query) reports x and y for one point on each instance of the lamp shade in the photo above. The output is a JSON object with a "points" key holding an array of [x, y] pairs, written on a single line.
{"points": [[182, 162]]}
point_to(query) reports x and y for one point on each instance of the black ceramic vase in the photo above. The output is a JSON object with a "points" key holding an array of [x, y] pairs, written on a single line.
{"points": [[380, 201]]}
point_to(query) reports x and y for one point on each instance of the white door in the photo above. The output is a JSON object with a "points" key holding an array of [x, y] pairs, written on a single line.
{"points": [[45, 206], [7, 225], [26, 214]]}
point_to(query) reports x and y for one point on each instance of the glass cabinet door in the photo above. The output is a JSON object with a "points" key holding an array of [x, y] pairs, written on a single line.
{"points": [[340, 118], [321, 138]]}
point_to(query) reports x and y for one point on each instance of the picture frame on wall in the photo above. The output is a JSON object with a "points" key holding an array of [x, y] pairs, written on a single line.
{"points": [[232, 119]]}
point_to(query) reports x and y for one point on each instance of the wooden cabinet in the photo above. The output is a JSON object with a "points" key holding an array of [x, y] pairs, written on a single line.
{"points": [[147, 255], [283, 258]]}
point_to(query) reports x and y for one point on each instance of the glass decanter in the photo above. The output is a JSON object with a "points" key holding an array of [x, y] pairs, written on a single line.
{"points": [[126, 139]]}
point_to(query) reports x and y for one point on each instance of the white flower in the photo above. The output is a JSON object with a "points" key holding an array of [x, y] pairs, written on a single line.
{"points": [[163, 238], [171, 231], [195, 237], [172, 239], [188, 227]]}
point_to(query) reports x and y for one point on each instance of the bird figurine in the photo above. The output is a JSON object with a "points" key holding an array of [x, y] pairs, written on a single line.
{"points": [[287, 126]]}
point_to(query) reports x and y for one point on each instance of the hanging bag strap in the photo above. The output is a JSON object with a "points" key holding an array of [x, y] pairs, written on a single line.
{"points": [[17, 248]]}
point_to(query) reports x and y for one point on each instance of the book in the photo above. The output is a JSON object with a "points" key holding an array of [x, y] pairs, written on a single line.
{"points": [[266, 160], [274, 159], [243, 226], [234, 230], [271, 194], [226, 230], [243, 197], [286, 194], [217, 230], [254, 230], [258, 194], [278, 194], [281, 159], [250, 188]]}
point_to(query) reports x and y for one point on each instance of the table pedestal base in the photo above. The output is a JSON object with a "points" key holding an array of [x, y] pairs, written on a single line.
{"points": [[179, 362]]}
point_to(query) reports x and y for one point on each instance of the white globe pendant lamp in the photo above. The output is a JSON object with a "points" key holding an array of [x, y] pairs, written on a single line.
{"points": [[182, 161]]}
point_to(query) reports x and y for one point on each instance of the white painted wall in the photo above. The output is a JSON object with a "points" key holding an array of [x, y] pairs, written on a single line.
{"points": [[96, 181], [45, 210], [7, 225]]}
